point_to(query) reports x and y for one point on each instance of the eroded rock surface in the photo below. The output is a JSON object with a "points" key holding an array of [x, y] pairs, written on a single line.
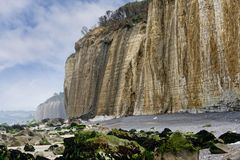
{"points": [[185, 57]]}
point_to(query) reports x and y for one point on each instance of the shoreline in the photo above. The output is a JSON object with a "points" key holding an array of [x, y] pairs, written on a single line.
{"points": [[217, 122]]}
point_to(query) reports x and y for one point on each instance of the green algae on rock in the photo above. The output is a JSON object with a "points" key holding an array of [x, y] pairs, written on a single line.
{"points": [[91, 144]]}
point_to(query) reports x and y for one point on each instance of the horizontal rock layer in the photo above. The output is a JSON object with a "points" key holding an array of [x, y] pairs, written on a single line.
{"points": [[52, 108], [186, 57]]}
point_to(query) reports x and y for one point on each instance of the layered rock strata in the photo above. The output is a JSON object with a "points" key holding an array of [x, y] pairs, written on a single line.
{"points": [[185, 57]]}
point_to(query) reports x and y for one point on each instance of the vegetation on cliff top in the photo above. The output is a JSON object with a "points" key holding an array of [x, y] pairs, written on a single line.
{"points": [[126, 16]]}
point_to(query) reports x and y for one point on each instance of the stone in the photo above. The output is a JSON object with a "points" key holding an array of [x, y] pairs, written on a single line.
{"points": [[230, 137], [148, 140], [177, 147], [56, 149], [166, 132], [60, 158], [203, 139], [185, 57], [29, 148], [55, 122], [218, 148], [18, 155], [41, 158], [182, 155], [3, 152]]}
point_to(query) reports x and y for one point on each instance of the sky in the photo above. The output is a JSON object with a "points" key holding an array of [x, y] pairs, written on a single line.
{"points": [[36, 37]]}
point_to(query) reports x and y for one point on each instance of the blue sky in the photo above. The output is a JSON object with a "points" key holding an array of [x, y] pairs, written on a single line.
{"points": [[36, 37]]}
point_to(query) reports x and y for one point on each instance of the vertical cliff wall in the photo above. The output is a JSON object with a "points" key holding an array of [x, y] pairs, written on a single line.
{"points": [[186, 57], [52, 108], [192, 53]]}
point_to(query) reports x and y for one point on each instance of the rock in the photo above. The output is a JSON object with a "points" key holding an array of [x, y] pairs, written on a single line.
{"points": [[18, 155], [29, 148], [41, 158], [77, 126], [149, 140], [52, 108], [182, 155], [218, 148], [60, 158], [175, 148], [55, 122], [166, 132], [203, 139], [230, 137], [3, 152], [89, 145], [26, 132], [56, 149], [177, 142], [120, 133], [185, 55]]}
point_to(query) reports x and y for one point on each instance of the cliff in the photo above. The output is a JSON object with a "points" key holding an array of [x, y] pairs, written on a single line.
{"points": [[52, 108], [185, 57]]}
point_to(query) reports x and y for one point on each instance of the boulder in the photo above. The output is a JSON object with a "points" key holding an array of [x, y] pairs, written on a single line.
{"points": [[29, 148], [56, 149], [3, 151], [41, 158], [218, 148], [230, 137], [166, 132], [177, 147], [60, 158], [202, 139], [149, 140], [26, 132], [18, 155]]}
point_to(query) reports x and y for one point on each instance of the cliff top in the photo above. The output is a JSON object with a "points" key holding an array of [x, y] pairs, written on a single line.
{"points": [[126, 16]]}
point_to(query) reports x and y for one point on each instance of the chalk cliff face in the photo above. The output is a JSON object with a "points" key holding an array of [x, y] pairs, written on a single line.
{"points": [[186, 57], [52, 108]]}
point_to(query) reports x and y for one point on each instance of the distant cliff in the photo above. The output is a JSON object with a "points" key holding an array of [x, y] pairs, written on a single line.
{"points": [[52, 108], [185, 56]]}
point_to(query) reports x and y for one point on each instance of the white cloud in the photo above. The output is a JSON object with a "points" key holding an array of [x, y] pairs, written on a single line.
{"points": [[9, 7], [31, 32], [56, 30]]}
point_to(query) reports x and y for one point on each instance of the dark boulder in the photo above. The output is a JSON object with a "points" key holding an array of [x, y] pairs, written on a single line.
{"points": [[203, 139], [230, 137], [3, 152], [29, 148], [60, 158], [41, 158], [18, 155], [166, 132]]}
